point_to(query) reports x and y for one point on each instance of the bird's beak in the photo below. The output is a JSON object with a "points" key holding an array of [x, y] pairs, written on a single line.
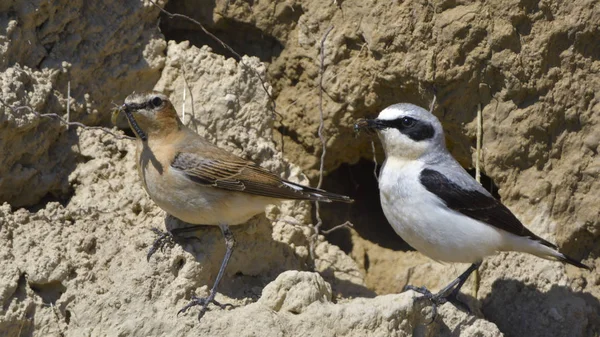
{"points": [[368, 125], [129, 110]]}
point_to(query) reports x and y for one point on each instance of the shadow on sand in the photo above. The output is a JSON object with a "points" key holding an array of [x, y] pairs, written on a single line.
{"points": [[519, 309]]}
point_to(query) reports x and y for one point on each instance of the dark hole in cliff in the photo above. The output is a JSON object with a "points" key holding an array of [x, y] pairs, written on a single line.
{"points": [[358, 181], [49, 292], [243, 38]]}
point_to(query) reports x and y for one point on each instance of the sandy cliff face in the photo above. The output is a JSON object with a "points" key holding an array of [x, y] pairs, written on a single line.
{"points": [[74, 224]]}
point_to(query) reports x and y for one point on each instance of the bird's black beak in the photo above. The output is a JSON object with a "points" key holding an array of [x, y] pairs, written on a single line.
{"points": [[128, 110], [367, 125]]}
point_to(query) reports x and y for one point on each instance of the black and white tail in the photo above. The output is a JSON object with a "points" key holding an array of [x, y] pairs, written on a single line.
{"points": [[572, 261], [550, 251]]}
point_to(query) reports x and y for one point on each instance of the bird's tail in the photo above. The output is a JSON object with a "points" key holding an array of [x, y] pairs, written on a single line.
{"points": [[567, 259], [537, 246], [315, 194], [549, 251]]}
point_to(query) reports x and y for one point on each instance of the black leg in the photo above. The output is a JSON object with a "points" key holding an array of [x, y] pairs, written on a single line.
{"points": [[204, 302], [452, 297], [448, 294], [167, 238]]}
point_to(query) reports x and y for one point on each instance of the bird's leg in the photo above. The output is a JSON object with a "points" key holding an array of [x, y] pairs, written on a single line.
{"points": [[204, 302], [167, 238], [448, 294], [452, 297]]}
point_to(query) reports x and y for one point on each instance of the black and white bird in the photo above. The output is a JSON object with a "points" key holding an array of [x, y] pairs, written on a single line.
{"points": [[436, 206]]}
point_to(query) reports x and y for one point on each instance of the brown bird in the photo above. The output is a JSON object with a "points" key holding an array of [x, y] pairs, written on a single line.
{"points": [[199, 183]]}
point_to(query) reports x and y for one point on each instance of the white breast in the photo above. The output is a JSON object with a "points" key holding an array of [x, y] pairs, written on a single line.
{"points": [[424, 222]]}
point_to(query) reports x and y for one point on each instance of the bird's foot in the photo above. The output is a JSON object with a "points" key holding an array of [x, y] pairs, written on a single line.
{"points": [[204, 302], [163, 239], [438, 299], [435, 299]]}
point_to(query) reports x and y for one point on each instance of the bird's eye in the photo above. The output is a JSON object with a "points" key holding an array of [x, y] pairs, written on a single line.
{"points": [[156, 102], [407, 122]]}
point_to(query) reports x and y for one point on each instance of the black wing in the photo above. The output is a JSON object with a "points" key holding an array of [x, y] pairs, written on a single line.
{"points": [[476, 205]]}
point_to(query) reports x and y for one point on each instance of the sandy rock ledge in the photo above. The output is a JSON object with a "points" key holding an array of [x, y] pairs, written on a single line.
{"points": [[298, 304]]}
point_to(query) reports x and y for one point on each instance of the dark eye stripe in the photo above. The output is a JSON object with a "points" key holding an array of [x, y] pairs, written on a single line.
{"points": [[151, 104], [420, 130]]}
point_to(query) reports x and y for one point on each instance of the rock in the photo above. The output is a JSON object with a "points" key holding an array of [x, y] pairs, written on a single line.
{"points": [[293, 291], [307, 310]]}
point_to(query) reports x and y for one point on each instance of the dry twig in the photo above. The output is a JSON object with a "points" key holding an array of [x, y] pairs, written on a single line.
{"points": [[62, 120], [68, 104], [374, 160], [183, 106], [476, 277], [344, 225], [323, 139], [432, 104], [478, 145]]}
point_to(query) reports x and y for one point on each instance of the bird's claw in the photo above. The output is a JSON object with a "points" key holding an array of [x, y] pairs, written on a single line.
{"points": [[438, 299], [204, 302], [435, 299], [163, 239], [421, 290]]}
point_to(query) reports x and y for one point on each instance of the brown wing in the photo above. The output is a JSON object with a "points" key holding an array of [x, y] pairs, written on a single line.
{"points": [[235, 174]]}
